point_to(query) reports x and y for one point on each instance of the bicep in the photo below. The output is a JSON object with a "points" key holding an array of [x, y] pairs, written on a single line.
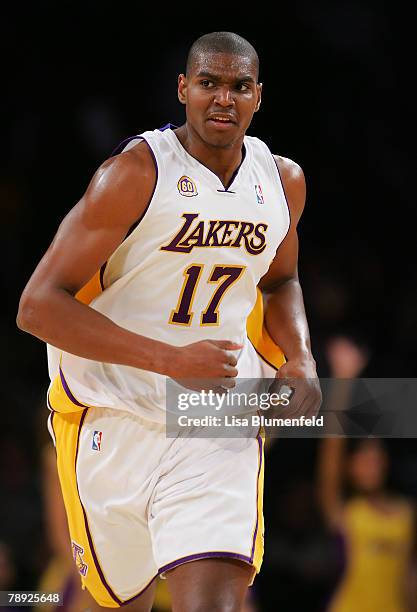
{"points": [[77, 251], [95, 227], [284, 265]]}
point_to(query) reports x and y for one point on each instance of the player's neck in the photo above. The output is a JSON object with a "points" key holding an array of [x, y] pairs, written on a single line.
{"points": [[223, 161]]}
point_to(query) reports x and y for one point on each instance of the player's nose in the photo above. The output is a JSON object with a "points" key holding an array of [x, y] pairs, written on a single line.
{"points": [[224, 97]]}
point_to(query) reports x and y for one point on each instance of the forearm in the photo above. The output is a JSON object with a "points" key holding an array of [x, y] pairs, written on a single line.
{"points": [[285, 320], [58, 318]]}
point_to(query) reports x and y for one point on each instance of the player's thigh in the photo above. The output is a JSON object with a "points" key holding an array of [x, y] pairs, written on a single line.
{"points": [[142, 604], [209, 585]]}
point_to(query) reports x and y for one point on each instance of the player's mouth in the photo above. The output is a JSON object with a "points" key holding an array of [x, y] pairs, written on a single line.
{"points": [[221, 121]]}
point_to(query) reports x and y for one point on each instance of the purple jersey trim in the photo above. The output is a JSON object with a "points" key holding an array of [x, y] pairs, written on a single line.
{"points": [[118, 150], [134, 226], [206, 555], [285, 196], [90, 540], [257, 498], [125, 142], [235, 173], [168, 126], [122, 145], [68, 391]]}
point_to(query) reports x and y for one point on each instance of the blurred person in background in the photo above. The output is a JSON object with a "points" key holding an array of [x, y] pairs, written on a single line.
{"points": [[301, 561], [376, 527], [347, 356]]}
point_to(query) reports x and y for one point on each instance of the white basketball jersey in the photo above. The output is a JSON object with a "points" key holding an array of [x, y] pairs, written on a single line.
{"points": [[187, 272]]}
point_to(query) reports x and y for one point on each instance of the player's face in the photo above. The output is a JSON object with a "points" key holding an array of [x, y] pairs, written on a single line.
{"points": [[368, 467], [221, 95]]}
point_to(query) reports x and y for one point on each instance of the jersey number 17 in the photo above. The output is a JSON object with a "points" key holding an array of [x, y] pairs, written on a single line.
{"points": [[223, 276]]}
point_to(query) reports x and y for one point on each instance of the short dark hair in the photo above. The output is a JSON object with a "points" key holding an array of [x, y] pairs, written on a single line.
{"points": [[222, 42]]}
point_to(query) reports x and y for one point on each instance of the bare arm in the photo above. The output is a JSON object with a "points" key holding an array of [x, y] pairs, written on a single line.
{"points": [[285, 316], [116, 197]]}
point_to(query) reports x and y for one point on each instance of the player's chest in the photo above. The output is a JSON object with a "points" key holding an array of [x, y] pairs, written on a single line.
{"points": [[198, 214]]}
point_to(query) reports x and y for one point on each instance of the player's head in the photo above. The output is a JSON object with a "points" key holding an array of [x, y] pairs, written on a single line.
{"points": [[367, 465], [221, 81]]}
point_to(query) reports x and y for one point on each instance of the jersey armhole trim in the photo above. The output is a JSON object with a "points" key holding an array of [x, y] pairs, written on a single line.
{"points": [[135, 225], [157, 181], [282, 187], [275, 169]]}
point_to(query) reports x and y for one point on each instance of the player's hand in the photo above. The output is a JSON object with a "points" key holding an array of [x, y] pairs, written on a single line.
{"points": [[301, 377], [206, 365]]}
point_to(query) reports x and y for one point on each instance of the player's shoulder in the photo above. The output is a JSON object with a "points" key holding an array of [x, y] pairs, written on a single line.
{"points": [[135, 164], [290, 170], [294, 184], [127, 179]]}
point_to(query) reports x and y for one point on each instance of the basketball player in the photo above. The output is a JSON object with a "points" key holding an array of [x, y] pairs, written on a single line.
{"points": [[153, 274]]}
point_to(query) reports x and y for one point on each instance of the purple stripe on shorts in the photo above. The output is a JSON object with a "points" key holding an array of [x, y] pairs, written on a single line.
{"points": [[68, 391], [127, 601], [90, 540], [257, 496], [206, 555]]}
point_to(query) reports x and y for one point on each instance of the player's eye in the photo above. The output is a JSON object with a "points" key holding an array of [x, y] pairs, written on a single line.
{"points": [[206, 83], [242, 87]]}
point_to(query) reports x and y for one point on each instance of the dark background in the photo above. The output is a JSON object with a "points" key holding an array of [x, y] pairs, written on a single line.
{"points": [[79, 77]]}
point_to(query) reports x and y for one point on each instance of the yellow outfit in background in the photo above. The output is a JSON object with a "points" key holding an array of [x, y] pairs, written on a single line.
{"points": [[378, 547]]}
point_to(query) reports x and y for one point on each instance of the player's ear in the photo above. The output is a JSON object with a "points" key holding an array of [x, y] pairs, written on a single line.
{"points": [[258, 104], [182, 88]]}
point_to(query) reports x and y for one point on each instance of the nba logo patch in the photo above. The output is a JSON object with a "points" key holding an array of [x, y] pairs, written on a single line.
{"points": [[259, 194], [187, 187], [97, 440]]}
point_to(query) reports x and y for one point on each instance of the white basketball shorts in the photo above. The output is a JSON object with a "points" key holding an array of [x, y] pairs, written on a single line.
{"points": [[139, 503]]}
